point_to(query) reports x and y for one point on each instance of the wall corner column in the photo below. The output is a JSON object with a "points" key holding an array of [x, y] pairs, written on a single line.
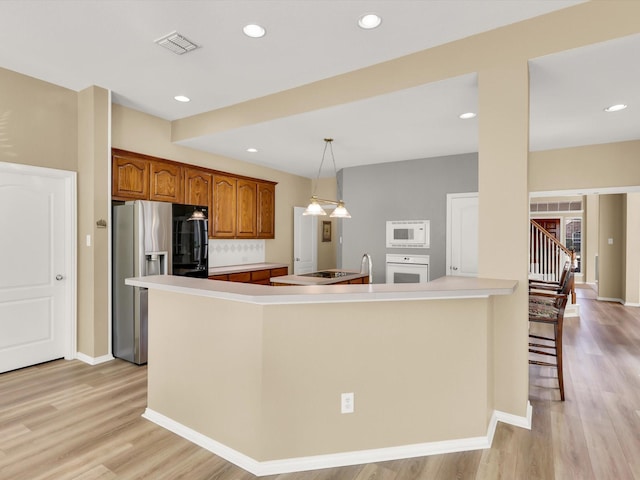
{"points": [[93, 204], [503, 222]]}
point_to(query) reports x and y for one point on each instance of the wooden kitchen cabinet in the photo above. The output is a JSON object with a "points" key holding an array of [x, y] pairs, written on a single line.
{"points": [[259, 277], [222, 222], [246, 209], [239, 207], [266, 224], [166, 182], [130, 178], [198, 187], [279, 272], [244, 277]]}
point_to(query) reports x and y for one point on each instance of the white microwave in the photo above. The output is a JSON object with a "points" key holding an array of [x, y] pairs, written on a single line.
{"points": [[408, 234]]}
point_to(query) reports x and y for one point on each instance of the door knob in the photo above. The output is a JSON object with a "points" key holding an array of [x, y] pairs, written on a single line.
{"points": [[455, 268], [59, 277], [297, 259]]}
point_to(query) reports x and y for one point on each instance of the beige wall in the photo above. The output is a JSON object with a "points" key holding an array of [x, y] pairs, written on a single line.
{"points": [[587, 167], [611, 261], [142, 133], [327, 188], [38, 122], [266, 380]]}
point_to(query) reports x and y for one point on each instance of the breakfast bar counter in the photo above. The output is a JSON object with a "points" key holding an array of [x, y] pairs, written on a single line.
{"points": [[256, 373]]}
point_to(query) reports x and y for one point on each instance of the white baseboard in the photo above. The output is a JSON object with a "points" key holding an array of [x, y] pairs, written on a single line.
{"points": [[299, 464], [607, 299], [629, 304], [572, 310], [515, 420], [93, 360]]}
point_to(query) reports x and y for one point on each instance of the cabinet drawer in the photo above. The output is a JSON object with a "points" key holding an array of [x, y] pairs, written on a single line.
{"points": [[240, 277], [219, 277], [260, 275], [279, 272], [264, 281]]}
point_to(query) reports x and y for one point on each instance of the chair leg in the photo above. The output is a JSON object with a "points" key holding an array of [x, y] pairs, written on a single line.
{"points": [[558, 342]]}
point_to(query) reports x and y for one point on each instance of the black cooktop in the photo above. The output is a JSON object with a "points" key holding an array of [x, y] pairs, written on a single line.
{"points": [[326, 274]]}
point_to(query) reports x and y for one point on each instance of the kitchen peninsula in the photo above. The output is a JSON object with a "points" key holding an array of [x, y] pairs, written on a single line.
{"points": [[255, 373]]}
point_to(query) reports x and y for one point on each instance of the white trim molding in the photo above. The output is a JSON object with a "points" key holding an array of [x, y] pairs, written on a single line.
{"points": [[316, 462], [94, 360], [609, 299], [629, 304]]}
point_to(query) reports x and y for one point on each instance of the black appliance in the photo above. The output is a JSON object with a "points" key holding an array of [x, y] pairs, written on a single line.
{"points": [[190, 242]]}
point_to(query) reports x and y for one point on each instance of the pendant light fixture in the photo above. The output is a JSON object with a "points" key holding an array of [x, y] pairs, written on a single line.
{"points": [[315, 206], [197, 215]]}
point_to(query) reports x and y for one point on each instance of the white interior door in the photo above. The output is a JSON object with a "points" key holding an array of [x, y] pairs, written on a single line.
{"points": [[462, 234], [37, 281], [305, 242]]}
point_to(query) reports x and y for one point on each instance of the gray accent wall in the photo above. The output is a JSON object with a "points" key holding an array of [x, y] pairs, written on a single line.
{"points": [[407, 190]]}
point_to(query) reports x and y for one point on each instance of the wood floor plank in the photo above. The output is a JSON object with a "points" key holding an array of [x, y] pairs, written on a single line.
{"points": [[99, 472], [66, 420]]}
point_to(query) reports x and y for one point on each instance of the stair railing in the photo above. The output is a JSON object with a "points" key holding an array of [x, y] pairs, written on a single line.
{"points": [[547, 255]]}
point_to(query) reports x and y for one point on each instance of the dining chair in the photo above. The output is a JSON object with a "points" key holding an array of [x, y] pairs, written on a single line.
{"points": [[549, 312]]}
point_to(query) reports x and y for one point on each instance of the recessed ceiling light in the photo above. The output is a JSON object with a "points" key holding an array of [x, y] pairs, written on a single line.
{"points": [[252, 150], [182, 98], [369, 21], [254, 31], [616, 108], [467, 116]]}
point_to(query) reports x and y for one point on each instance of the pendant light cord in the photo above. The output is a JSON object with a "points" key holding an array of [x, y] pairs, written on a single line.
{"points": [[327, 142]]}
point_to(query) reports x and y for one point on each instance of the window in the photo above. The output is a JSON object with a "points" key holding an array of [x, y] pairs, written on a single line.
{"points": [[573, 238]]}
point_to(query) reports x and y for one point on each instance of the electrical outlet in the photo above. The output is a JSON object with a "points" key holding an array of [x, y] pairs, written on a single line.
{"points": [[346, 403]]}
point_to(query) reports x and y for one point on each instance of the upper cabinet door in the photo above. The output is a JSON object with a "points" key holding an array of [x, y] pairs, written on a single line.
{"points": [[246, 223], [222, 220], [130, 178], [198, 187], [266, 207], [166, 182]]}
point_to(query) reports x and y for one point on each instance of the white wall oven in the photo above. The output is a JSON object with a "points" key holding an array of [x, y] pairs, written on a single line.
{"points": [[407, 268], [408, 234]]}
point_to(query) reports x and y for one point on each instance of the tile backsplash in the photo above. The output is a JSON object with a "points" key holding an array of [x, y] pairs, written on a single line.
{"points": [[235, 252]]}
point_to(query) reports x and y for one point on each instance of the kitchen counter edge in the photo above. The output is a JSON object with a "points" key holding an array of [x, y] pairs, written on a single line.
{"points": [[441, 288]]}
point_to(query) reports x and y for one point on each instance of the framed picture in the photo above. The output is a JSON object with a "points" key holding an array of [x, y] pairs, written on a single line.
{"points": [[326, 231]]}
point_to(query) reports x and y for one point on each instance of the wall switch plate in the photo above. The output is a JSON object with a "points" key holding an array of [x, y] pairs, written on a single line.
{"points": [[346, 403], [610, 241]]}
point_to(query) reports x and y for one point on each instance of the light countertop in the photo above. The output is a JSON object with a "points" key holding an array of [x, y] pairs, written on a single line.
{"points": [[250, 267], [441, 288]]}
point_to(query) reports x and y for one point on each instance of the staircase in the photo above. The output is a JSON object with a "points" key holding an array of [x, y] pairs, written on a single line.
{"points": [[547, 257]]}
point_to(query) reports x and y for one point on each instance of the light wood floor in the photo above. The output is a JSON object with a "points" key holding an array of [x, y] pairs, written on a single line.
{"points": [[66, 420]]}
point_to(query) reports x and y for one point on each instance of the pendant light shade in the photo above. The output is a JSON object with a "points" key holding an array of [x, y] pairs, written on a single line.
{"points": [[197, 215], [340, 211], [314, 208], [315, 205]]}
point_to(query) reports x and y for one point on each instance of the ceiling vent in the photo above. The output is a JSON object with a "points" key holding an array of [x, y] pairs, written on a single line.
{"points": [[177, 43]]}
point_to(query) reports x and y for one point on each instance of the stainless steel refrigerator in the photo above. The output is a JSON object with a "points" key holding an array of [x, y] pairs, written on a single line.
{"points": [[141, 247]]}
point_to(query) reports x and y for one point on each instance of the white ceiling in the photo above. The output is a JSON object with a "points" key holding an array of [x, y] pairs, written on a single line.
{"points": [[109, 43]]}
